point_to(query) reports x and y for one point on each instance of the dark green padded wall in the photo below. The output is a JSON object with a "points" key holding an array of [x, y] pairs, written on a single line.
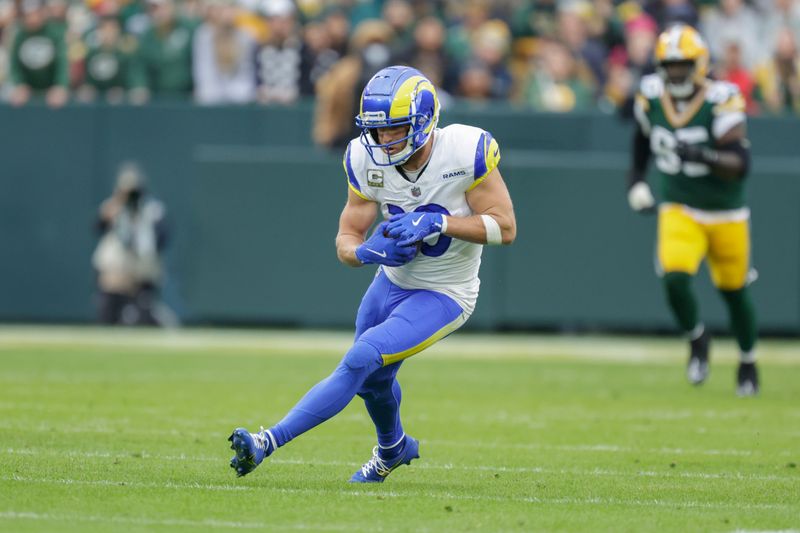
{"points": [[254, 209]]}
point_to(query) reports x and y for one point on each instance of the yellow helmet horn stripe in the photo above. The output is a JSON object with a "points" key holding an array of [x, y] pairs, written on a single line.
{"points": [[404, 99]]}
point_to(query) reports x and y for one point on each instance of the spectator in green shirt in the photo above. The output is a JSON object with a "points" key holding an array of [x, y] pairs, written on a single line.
{"points": [[108, 66], [38, 63], [56, 12], [165, 53]]}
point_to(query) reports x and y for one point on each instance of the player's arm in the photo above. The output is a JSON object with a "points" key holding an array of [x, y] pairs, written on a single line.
{"points": [[640, 197], [351, 248], [493, 222], [357, 217], [729, 159], [487, 196], [640, 157]]}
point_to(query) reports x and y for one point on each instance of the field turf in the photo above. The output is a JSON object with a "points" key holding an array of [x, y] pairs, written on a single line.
{"points": [[120, 430]]}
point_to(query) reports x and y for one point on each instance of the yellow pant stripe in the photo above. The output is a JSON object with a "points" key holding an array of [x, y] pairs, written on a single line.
{"points": [[388, 359]]}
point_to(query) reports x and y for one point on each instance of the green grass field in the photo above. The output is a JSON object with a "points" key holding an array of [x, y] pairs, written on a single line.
{"points": [[106, 430]]}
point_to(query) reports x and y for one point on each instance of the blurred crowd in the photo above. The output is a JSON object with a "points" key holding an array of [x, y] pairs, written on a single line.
{"points": [[549, 55]]}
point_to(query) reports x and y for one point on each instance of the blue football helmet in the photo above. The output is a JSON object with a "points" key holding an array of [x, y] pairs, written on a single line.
{"points": [[396, 96]]}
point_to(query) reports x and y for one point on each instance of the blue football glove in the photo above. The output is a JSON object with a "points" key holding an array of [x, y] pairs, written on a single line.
{"points": [[383, 250], [411, 228]]}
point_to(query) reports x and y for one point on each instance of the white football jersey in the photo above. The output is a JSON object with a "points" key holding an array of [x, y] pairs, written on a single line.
{"points": [[461, 158]]}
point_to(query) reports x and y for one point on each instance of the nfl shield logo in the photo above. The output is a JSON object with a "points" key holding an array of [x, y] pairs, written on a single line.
{"points": [[415, 192]]}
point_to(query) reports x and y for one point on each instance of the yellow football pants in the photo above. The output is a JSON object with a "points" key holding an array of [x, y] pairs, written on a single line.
{"points": [[683, 242]]}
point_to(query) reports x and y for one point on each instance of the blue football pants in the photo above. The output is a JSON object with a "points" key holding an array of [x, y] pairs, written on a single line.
{"points": [[392, 324]]}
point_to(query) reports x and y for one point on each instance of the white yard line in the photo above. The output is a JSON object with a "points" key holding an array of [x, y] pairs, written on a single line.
{"points": [[596, 472], [596, 447], [466, 345], [208, 523], [767, 531], [546, 413], [369, 492], [546, 417]]}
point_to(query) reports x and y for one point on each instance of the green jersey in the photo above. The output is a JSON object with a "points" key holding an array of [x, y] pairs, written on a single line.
{"points": [[110, 68], [166, 60], [39, 58], [710, 114]]}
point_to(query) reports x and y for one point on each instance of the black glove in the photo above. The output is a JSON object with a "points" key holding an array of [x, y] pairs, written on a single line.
{"points": [[693, 153]]}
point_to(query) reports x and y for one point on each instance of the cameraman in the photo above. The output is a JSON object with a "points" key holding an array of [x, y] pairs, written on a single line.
{"points": [[132, 228]]}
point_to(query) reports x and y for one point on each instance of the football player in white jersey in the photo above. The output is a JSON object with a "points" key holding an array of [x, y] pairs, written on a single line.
{"points": [[442, 198]]}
